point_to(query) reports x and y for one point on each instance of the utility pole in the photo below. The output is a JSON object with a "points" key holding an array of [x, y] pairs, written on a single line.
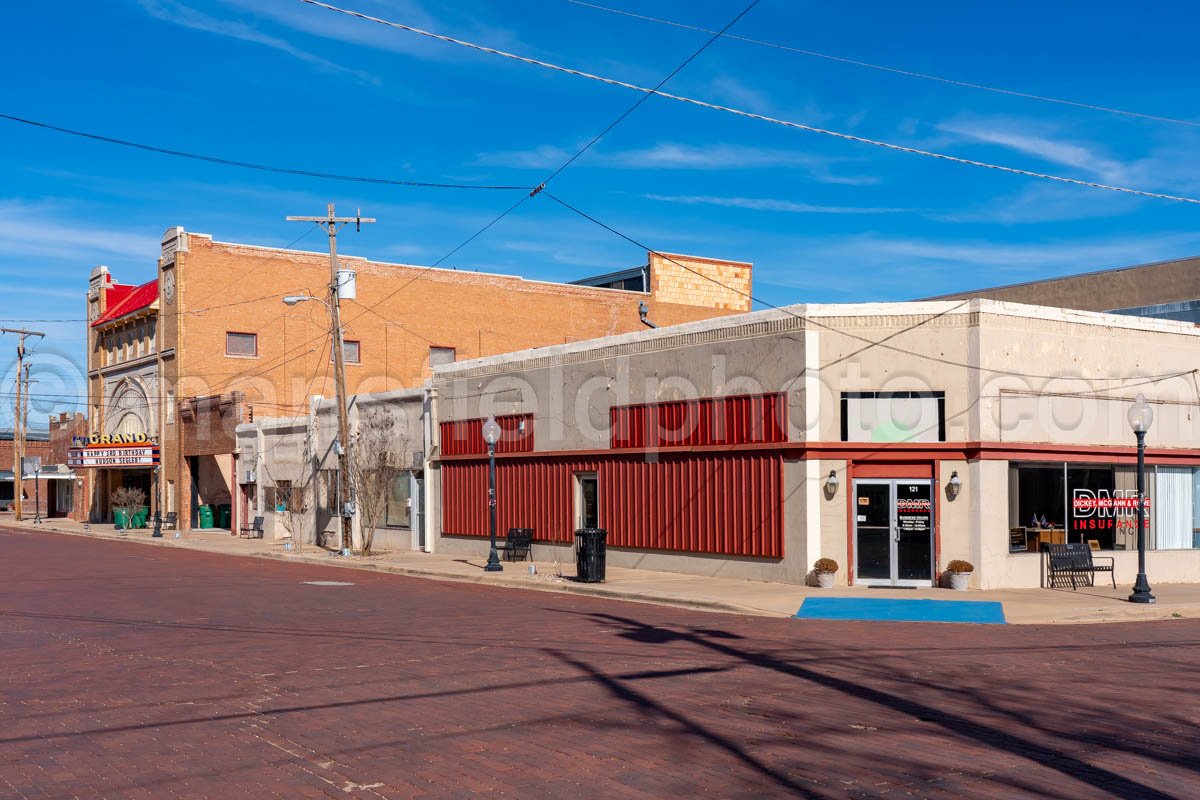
{"points": [[19, 414], [331, 222]]}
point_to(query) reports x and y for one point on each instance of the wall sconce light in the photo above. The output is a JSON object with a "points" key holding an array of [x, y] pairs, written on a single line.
{"points": [[954, 485], [831, 483]]}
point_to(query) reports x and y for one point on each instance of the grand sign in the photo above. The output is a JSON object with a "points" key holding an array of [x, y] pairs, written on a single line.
{"points": [[98, 439]]}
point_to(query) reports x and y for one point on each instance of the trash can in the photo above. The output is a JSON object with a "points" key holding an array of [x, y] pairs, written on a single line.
{"points": [[590, 555], [224, 515], [139, 518], [119, 519], [206, 516]]}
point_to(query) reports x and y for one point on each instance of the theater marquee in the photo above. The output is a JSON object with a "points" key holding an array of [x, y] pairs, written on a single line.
{"points": [[113, 450]]}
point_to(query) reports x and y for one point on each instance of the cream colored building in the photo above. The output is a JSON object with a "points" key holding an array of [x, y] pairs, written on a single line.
{"points": [[891, 437]]}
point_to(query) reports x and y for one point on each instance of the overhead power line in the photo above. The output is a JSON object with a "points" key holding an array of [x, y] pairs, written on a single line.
{"points": [[591, 142], [867, 340], [894, 70], [751, 115], [252, 165]]}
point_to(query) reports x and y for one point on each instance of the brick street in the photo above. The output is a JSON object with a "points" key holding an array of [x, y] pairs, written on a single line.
{"points": [[148, 672]]}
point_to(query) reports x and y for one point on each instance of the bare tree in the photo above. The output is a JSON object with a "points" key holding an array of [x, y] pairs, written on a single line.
{"points": [[128, 500], [380, 455], [296, 507]]}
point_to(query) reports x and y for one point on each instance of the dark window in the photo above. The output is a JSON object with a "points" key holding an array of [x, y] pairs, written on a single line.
{"points": [[241, 344], [283, 498]]}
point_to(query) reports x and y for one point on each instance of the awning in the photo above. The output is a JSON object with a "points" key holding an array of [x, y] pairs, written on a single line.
{"points": [[50, 472]]}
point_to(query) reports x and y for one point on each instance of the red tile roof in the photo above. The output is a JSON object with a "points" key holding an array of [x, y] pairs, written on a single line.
{"points": [[124, 300]]}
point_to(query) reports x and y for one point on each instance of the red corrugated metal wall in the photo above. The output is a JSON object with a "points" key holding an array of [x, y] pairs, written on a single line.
{"points": [[722, 503], [465, 437], [744, 419]]}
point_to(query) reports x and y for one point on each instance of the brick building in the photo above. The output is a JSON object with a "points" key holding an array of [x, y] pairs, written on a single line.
{"points": [[208, 344], [39, 493], [70, 499]]}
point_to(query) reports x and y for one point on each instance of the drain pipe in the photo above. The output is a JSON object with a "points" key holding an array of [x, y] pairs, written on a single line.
{"points": [[643, 312]]}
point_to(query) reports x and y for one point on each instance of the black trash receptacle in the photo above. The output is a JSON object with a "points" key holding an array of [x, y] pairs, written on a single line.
{"points": [[590, 555]]}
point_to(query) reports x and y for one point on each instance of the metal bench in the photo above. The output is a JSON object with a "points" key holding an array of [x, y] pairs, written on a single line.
{"points": [[1074, 562], [254, 530], [517, 544]]}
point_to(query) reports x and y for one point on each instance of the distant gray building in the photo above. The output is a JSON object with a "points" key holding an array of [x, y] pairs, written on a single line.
{"points": [[1163, 290]]}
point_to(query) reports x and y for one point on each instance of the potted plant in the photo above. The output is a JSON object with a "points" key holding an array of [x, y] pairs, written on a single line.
{"points": [[960, 574], [125, 502], [824, 569]]}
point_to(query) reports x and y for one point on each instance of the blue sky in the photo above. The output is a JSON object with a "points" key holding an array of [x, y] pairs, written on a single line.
{"points": [[283, 83]]}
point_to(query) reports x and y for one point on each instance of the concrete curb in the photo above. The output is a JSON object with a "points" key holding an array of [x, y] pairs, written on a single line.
{"points": [[566, 587]]}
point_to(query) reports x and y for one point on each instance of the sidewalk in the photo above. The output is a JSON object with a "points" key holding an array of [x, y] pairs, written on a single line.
{"points": [[1021, 606]]}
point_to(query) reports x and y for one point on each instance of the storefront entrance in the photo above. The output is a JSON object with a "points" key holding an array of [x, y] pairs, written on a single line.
{"points": [[893, 532]]}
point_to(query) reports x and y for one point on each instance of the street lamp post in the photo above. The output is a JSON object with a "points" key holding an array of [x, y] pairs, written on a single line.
{"points": [[491, 435], [37, 494], [1141, 417]]}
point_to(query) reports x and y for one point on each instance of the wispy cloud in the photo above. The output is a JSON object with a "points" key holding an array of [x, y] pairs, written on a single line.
{"points": [[675, 156], [1042, 202], [325, 24], [42, 231], [1038, 141], [768, 204], [179, 14]]}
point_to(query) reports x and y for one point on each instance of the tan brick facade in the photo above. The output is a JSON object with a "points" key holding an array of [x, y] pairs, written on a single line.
{"points": [[704, 282], [221, 328]]}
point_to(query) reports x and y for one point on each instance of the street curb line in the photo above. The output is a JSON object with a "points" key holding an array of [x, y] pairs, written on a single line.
{"points": [[586, 590]]}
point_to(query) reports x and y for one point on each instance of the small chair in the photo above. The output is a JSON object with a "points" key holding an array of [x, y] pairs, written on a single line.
{"points": [[171, 520], [517, 544], [254, 530]]}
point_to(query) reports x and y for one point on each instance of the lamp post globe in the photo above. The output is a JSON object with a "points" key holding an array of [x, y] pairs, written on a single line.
{"points": [[1141, 417], [491, 434]]}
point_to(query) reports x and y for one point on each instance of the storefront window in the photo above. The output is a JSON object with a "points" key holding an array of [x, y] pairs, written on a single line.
{"points": [[1095, 505], [1176, 510], [1093, 516], [398, 513]]}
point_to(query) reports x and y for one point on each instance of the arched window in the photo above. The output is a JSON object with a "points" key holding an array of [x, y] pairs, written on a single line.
{"points": [[131, 423]]}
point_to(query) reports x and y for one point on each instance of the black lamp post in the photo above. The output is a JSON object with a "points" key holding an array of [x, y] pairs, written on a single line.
{"points": [[491, 435], [37, 494], [1141, 417]]}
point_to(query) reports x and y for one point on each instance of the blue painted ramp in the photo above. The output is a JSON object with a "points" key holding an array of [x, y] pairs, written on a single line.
{"points": [[897, 610]]}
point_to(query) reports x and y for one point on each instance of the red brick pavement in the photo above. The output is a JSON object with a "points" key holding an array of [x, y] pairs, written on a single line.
{"points": [[148, 672]]}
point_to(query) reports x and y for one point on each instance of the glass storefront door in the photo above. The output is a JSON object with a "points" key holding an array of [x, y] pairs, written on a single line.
{"points": [[893, 532]]}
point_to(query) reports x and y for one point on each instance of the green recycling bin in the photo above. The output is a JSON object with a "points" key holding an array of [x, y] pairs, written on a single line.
{"points": [[206, 516], [139, 518], [224, 515], [119, 519]]}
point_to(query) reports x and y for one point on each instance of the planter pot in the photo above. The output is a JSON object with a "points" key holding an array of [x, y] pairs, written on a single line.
{"points": [[959, 580], [825, 580]]}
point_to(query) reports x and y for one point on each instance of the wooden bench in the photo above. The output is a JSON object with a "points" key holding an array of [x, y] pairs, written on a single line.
{"points": [[1075, 562], [254, 530], [517, 544]]}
